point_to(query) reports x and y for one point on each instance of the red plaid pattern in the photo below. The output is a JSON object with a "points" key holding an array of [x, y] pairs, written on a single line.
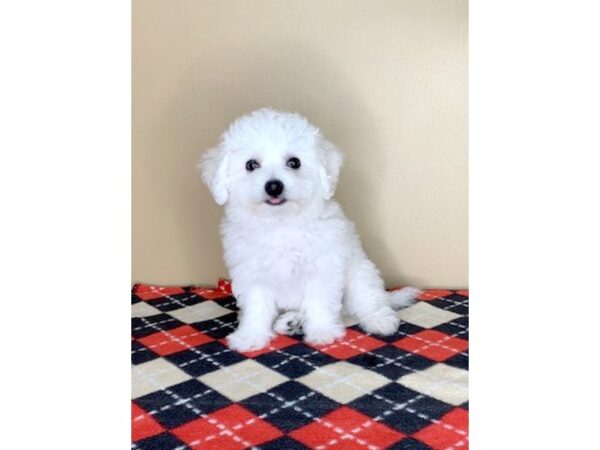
{"points": [[176, 340], [148, 292], [346, 429], [354, 343], [433, 345], [143, 425], [450, 432], [229, 428]]}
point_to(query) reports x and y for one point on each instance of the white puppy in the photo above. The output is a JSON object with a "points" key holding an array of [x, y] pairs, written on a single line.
{"points": [[289, 248]]}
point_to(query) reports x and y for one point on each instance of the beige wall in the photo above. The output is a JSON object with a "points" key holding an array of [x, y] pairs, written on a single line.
{"points": [[385, 80]]}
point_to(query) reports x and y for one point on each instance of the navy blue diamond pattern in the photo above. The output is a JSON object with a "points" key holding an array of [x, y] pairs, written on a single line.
{"points": [[205, 358], [182, 403], [296, 404]]}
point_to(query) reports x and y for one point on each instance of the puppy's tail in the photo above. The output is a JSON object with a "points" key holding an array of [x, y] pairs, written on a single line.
{"points": [[404, 297]]}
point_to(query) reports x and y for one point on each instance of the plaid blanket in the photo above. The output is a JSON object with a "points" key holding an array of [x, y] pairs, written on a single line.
{"points": [[366, 392]]}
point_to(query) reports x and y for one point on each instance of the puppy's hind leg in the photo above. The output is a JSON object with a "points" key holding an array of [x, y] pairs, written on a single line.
{"points": [[366, 298], [288, 323], [401, 298]]}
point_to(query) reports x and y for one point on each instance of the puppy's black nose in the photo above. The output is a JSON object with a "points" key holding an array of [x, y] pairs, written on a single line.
{"points": [[274, 187]]}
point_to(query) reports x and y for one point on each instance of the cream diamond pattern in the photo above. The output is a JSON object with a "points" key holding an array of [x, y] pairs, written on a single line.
{"points": [[342, 381], [443, 382], [243, 380], [155, 375], [426, 316], [199, 312], [143, 309]]}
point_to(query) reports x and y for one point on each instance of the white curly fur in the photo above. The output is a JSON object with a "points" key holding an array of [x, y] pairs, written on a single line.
{"points": [[301, 258]]}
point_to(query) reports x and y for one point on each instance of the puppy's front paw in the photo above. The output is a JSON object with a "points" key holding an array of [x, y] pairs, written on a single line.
{"points": [[245, 342], [383, 322], [324, 335]]}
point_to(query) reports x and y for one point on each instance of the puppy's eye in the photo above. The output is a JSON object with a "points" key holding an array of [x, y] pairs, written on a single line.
{"points": [[293, 163], [252, 164]]}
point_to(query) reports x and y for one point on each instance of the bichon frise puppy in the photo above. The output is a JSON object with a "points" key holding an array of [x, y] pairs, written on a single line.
{"points": [[294, 258]]}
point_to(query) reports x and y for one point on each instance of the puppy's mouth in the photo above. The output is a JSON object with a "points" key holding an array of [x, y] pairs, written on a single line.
{"points": [[275, 201]]}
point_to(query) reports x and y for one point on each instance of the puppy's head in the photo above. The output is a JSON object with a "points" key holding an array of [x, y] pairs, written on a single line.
{"points": [[270, 162]]}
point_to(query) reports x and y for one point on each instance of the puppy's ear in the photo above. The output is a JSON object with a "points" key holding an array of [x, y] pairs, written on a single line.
{"points": [[213, 167], [331, 162]]}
